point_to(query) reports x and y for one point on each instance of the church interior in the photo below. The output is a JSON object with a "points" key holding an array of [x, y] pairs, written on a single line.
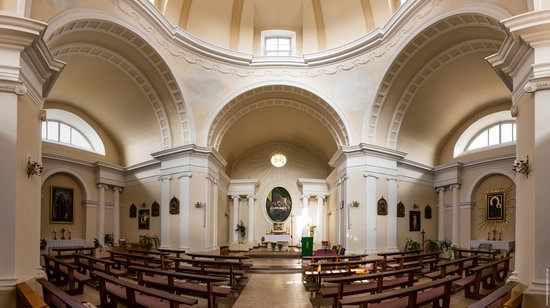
{"points": [[142, 164]]}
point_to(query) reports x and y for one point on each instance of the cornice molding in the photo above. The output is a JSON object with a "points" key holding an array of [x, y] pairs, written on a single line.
{"points": [[365, 149], [188, 150]]}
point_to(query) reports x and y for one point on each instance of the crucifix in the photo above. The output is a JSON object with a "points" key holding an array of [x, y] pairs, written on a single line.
{"points": [[423, 232]]}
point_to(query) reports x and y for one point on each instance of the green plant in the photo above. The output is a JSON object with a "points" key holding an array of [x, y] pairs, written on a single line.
{"points": [[273, 245], [311, 229], [449, 248], [97, 244], [109, 239], [280, 246], [411, 245], [242, 230], [431, 246], [148, 241]]}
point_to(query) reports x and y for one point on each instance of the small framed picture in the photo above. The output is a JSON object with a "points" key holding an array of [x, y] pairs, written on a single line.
{"points": [[143, 219], [400, 209], [174, 206], [133, 211], [61, 205], [155, 209], [414, 220]]}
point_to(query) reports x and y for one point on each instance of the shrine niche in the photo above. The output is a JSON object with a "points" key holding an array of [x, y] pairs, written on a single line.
{"points": [[495, 210], [278, 204], [382, 207], [400, 209]]}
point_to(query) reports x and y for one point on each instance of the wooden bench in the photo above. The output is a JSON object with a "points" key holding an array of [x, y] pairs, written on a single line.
{"points": [[113, 290], [96, 264], [179, 283], [455, 267], [72, 250], [127, 259], [486, 275], [176, 252], [489, 254], [62, 273], [220, 257], [345, 268], [411, 297], [334, 258], [210, 267], [430, 258], [162, 255], [55, 297], [497, 298], [385, 255], [27, 298], [376, 283]]}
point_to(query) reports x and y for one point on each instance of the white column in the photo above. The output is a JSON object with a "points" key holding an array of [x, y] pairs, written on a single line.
{"points": [[101, 213], [456, 216], [305, 213], [207, 214], [392, 214], [441, 213], [236, 215], [370, 212], [250, 219], [320, 236], [184, 199], [116, 214], [339, 211], [215, 213], [165, 211]]}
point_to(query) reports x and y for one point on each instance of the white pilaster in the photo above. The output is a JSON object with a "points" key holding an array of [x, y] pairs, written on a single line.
{"points": [[184, 180], [339, 211], [235, 214], [116, 214], [165, 211], [101, 213], [320, 234], [305, 211], [250, 219], [392, 214], [370, 212], [440, 213], [456, 216], [207, 214], [215, 213]]}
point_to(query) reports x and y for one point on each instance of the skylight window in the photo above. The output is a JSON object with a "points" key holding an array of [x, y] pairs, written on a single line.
{"points": [[280, 43]]}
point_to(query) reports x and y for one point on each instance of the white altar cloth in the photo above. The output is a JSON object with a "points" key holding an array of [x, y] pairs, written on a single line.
{"points": [[63, 243], [500, 245], [277, 238]]}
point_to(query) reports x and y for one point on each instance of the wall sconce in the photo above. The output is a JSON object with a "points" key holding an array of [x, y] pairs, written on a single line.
{"points": [[200, 205], [34, 168], [521, 166], [354, 204]]}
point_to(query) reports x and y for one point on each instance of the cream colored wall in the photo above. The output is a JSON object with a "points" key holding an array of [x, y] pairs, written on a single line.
{"points": [[223, 218], [344, 21], [145, 191], [487, 185], [78, 228], [210, 20]]}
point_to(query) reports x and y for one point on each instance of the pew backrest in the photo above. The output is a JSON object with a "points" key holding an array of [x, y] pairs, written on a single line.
{"points": [[54, 296]]}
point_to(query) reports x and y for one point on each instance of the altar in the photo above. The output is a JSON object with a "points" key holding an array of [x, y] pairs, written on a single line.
{"points": [[63, 244], [275, 238], [500, 245]]}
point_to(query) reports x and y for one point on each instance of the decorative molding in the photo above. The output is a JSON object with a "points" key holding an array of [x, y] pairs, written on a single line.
{"points": [[131, 71], [13, 87], [429, 68], [536, 84]]}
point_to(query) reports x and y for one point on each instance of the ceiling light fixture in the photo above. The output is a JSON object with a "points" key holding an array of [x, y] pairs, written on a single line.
{"points": [[278, 159]]}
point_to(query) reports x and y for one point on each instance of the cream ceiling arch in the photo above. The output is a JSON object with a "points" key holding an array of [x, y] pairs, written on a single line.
{"points": [[276, 94], [79, 20], [73, 174], [462, 16]]}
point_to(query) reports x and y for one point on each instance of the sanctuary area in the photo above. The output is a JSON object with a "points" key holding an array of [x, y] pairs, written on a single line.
{"points": [[274, 153]]}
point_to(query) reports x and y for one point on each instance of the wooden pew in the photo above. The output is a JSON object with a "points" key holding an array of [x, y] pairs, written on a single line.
{"points": [[62, 273], [177, 252], [486, 275], [376, 283], [497, 298], [112, 290], [385, 255], [410, 297], [455, 267], [182, 284], [55, 297], [162, 255], [128, 259], [210, 267], [335, 258], [27, 298], [72, 250], [489, 253], [95, 264], [220, 257], [430, 258], [344, 268]]}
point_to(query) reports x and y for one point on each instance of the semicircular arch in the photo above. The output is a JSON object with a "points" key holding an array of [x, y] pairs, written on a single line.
{"points": [[78, 178], [484, 175]]}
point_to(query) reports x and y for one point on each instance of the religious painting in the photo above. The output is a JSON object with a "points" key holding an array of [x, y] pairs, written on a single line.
{"points": [[495, 207], [174, 206], [61, 205], [155, 209], [400, 209], [133, 211], [428, 212], [414, 220], [382, 207], [143, 219], [278, 204]]}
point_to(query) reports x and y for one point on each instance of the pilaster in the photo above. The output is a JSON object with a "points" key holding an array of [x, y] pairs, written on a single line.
{"points": [[370, 212]]}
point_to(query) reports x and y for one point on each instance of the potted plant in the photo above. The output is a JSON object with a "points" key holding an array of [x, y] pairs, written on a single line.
{"points": [[280, 246], [431, 246], [448, 248], [108, 239], [411, 245], [147, 242], [242, 231], [311, 230], [273, 245]]}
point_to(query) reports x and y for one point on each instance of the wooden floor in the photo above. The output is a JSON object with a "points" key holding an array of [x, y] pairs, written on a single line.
{"points": [[275, 289]]}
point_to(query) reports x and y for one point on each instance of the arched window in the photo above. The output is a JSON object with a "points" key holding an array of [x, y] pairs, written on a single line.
{"points": [[491, 131], [69, 129]]}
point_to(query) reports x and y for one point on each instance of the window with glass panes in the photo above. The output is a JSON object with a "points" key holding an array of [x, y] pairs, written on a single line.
{"points": [[278, 46], [60, 132], [496, 134]]}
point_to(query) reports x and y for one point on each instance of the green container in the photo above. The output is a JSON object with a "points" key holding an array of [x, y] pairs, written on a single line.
{"points": [[307, 246]]}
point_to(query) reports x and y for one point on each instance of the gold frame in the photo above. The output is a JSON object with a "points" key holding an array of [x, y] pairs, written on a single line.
{"points": [[51, 205]]}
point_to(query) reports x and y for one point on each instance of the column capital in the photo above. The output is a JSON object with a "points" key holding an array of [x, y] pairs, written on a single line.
{"points": [[163, 178], [454, 186], [185, 175], [13, 87], [235, 197], [370, 175], [118, 188], [392, 178], [102, 186], [249, 197], [305, 196], [320, 197], [440, 189]]}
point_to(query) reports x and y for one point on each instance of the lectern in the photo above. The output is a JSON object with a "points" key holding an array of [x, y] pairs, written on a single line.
{"points": [[307, 246]]}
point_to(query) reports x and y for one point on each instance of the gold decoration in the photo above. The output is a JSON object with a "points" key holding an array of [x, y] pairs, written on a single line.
{"points": [[495, 211]]}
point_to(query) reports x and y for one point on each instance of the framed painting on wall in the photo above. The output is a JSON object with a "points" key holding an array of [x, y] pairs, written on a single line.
{"points": [[278, 204], [61, 205], [143, 219], [414, 220], [428, 212], [133, 211], [174, 206], [155, 209], [400, 209], [496, 211], [382, 207]]}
